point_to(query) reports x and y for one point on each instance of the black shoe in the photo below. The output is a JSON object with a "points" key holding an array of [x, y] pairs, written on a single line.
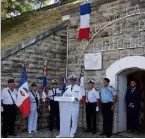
{"points": [[108, 136], [94, 132], [102, 134], [88, 130], [4, 136], [13, 134]]}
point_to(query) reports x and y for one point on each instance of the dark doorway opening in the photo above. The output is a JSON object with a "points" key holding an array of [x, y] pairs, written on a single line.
{"points": [[139, 76]]}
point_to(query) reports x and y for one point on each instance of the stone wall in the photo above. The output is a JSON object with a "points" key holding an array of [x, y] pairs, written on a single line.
{"points": [[117, 30], [50, 46]]}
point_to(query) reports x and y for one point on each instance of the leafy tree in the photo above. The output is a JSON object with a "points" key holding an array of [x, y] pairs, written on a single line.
{"points": [[10, 6]]}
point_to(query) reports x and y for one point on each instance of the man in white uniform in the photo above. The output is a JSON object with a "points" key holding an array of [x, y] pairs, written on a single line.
{"points": [[73, 90], [54, 105], [92, 101], [9, 114], [34, 106]]}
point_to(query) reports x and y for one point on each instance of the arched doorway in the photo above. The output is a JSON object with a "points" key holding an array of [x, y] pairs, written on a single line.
{"points": [[139, 76], [118, 73]]}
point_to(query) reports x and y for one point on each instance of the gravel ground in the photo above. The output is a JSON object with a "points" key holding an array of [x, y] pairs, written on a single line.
{"points": [[45, 133]]}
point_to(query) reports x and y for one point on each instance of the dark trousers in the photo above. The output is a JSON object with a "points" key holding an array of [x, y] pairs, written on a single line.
{"points": [[54, 115], [91, 116], [132, 118], [9, 118], [107, 118]]}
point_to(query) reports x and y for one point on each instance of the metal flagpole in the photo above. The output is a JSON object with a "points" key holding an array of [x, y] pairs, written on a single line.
{"points": [[81, 75], [20, 124]]}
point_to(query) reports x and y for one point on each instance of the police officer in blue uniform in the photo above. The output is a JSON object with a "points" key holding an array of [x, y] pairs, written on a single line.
{"points": [[108, 101]]}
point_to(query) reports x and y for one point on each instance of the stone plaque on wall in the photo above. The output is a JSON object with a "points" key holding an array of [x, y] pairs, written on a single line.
{"points": [[93, 61]]}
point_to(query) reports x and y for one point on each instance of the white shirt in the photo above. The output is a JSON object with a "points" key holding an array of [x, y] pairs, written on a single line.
{"points": [[76, 92], [33, 105], [83, 91], [6, 97], [51, 93], [92, 95]]}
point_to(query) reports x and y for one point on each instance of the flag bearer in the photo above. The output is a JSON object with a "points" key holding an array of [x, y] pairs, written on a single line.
{"points": [[92, 101], [73, 90], [54, 105], [34, 107], [108, 100], [9, 106]]}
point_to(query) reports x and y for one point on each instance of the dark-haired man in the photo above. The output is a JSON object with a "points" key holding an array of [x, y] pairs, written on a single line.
{"points": [[133, 107], [9, 105], [108, 100]]}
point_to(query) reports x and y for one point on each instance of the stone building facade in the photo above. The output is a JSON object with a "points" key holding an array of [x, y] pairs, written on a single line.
{"points": [[117, 31], [49, 46]]}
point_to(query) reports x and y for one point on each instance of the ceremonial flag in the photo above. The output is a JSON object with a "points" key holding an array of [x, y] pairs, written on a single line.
{"points": [[64, 80], [44, 84], [81, 84], [23, 100], [85, 10]]}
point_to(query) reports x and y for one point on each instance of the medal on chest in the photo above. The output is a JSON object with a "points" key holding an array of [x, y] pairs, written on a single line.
{"points": [[107, 91]]}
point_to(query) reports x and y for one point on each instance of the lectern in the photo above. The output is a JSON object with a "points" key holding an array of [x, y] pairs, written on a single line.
{"points": [[65, 104]]}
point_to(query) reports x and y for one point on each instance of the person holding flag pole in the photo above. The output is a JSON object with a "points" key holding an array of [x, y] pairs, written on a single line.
{"points": [[23, 99], [81, 83], [44, 85]]}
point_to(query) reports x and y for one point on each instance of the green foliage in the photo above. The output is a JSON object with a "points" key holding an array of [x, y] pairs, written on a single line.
{"points": [[9, 6]]}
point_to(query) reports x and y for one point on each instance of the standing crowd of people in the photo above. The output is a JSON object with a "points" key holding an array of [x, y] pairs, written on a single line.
{"points": [[104, 98]]}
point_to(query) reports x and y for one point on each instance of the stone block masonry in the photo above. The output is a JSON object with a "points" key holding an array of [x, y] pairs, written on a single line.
{"points": [[117, 30], [49, 46]]}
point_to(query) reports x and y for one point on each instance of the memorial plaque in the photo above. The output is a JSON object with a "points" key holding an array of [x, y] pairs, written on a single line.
{"points": [[93, 61]]}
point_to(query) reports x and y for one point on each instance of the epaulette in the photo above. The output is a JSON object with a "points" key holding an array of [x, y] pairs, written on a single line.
{"points": [[96, 89]]}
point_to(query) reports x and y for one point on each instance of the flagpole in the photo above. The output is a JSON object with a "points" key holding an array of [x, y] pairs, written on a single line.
{"points": [[82, 74], [67, 50], [20, 124]]}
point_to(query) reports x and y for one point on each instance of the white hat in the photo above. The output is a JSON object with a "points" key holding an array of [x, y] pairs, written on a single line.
{"points": [[71, 77], [91, 81], [54, 81]]}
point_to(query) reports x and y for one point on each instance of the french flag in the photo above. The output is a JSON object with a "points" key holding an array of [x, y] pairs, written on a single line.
{"points": [[23, 100], [44, 85], [85, 10]]}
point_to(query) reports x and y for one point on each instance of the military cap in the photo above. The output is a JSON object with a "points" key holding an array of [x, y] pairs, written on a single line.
{"points": [[11, 81], [54, 81], [33, 84], [91, 81], [72, 77]]}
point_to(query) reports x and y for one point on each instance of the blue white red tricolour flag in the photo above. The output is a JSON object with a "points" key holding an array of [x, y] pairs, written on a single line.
{"points": [[44, 84], [85, 10], [23, 100], [64, 80]]}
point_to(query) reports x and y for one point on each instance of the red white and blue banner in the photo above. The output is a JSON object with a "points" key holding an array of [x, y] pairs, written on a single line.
{"points": [[85, 10], [44, 84], [23, 100]]}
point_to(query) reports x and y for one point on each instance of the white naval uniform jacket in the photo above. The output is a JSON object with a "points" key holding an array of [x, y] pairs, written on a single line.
{"points": [[51, 93], [76, 92], [92, 95], [33, 105]]}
